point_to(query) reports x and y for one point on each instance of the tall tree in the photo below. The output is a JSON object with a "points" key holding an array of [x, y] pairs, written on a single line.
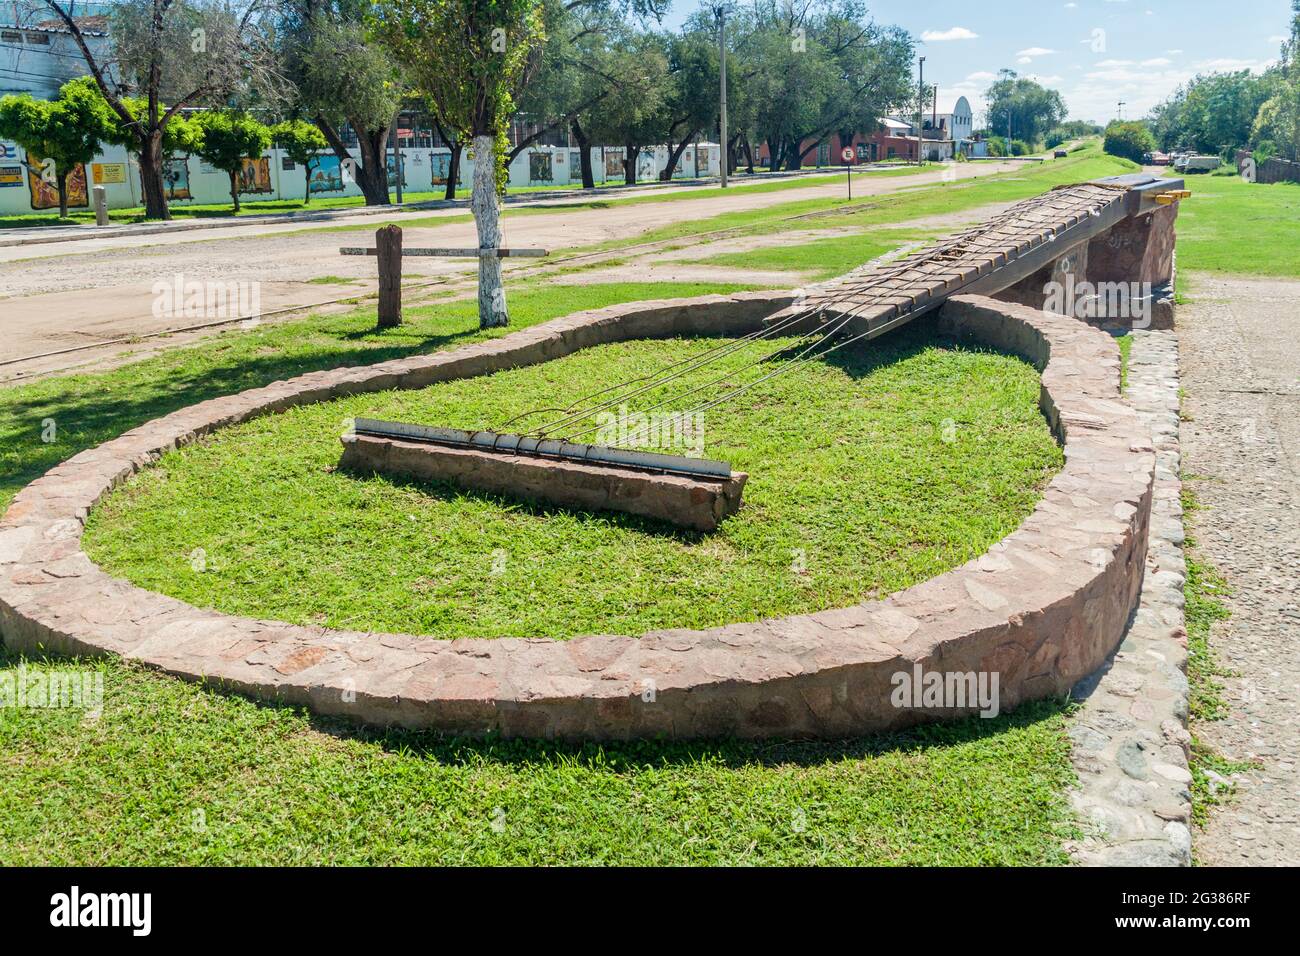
{"points": [[633, 115], [182, 52], [344, 76], [64, 132], [803, 71], [1276, 129], [469, 57], [691, 104], [1030, 108], [226, 139]]}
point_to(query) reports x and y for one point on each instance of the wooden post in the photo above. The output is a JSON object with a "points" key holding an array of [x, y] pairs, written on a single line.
{"points": [[388, 247]]}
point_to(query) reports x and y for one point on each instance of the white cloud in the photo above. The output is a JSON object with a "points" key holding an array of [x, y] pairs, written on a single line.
{"points": [[1278, 39], [1231, 65], [956, 33], [1025, 60], [981, 76], [1035, 51], [1157, 61]]}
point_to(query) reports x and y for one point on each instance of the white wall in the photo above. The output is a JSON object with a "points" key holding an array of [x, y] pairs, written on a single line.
{"points": [[209, 186]]}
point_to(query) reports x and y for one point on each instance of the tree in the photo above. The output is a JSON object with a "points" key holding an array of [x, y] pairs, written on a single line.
{"points": [[1213, 113], [344, 76], [187, 52], [1027, 108], [64, 132], [799, 72], [1276, 130], [301, 142], [226, 139], [572, 75], [470, 57], [691, 105], [633, 115], [1129, 140]]}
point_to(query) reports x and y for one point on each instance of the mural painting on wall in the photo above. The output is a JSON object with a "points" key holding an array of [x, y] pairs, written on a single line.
{"points": [[392, 171], [613, 164], [255, 175], [440, 167], [540, 169], [327, 177], [645, 166], [45, 193], [176, 178]]}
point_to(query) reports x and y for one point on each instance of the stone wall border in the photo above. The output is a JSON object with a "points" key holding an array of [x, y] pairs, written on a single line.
{"points": [[1042, 608]]}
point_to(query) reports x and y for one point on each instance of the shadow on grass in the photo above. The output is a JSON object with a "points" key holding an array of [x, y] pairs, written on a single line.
{"points": [[732, 752], [614, 755]]}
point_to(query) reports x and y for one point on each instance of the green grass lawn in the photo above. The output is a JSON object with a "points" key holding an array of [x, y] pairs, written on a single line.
{"points": [[174, 774], [869, 472], [819, 258], [1232, 226]]}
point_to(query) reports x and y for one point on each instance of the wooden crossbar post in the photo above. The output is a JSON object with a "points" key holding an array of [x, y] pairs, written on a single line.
{"points": [[388, 247]]}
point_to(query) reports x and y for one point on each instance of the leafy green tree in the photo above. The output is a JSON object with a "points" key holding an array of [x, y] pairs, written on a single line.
{"points": [[470, 57], [301, 142], [186, 52], [1022, 108], [1214, 113], [226, 139], [799, 72], [64, 132], [1130, 140], [343, 76], [634, 115], [1276, 130]]}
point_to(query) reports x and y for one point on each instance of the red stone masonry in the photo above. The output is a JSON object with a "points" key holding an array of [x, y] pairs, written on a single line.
{"points": [[1043, 608]]}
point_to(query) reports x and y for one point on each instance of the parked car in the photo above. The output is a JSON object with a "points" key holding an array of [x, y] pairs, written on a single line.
{"points": [[1202, 164], [1060, 154]]}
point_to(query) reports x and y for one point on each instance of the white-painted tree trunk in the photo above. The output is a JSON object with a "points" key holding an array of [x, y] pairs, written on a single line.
{"points": [[487, 219]]}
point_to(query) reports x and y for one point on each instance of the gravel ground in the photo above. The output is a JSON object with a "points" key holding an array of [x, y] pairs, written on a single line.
{"points": [[1241, 447]]}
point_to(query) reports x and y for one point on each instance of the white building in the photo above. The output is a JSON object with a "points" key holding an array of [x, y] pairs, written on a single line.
{"points": [[37, 52], [953, 117]]}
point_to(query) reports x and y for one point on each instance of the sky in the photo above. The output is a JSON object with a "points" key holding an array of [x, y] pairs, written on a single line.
{"points": [[1096, 52]]}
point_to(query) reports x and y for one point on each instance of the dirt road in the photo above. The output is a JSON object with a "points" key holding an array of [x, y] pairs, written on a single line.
{"points": [[1241, 456], [88, 291]]}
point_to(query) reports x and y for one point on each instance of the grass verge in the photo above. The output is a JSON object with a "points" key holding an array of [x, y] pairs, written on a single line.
{"points": [[1204, 590], [171, 773]]}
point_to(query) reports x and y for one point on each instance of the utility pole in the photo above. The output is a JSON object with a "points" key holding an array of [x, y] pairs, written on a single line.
{"points": [[1120, 114], [724, 161], [920, 107]]}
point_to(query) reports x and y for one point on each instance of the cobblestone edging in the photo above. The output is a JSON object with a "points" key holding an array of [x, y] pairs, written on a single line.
{"points": [[1043, 608], [1130, 738]]}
